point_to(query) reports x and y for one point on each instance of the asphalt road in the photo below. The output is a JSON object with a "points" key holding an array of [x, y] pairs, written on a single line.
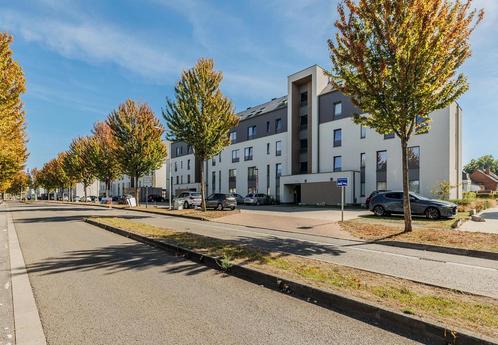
{"points": [[95, 287], [463, 273]]}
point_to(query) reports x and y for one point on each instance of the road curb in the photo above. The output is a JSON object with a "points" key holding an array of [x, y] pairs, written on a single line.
{"points": [[28, 327], [408, 326], [480, 254]]}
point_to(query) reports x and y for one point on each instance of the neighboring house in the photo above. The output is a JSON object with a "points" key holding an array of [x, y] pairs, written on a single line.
{"points": [[468, 185], [487, 179], [295, 147]]}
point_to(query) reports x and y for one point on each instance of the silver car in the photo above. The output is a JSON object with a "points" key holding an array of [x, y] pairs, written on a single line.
{"points": [[257, 199], [221, 201], [189, 199]]}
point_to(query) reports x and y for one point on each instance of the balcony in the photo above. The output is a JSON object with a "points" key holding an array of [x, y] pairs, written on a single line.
{"points": [[235, 159], [248, 158]]}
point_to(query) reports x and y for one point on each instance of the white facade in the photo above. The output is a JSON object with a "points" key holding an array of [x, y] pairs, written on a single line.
{"points": [[312, 111]]}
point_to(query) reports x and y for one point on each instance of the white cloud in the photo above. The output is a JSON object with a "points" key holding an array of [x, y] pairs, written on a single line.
{"points": [[95, 42]]}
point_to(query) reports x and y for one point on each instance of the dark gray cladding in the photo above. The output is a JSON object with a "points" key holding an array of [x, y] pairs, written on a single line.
{"points": [[326, 103]]}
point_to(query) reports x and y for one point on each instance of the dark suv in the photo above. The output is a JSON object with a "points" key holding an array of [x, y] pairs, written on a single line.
{"points": [[384, 204], [221, 201]]}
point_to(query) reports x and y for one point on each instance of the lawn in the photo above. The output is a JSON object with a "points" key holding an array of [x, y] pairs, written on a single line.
{"points": [[452, 308], [424, 231]]}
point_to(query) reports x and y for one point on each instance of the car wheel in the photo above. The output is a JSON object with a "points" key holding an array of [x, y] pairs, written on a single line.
{"points": [[379, 211], [219, 207], [432, 213], [185, 205], [232, 208]]}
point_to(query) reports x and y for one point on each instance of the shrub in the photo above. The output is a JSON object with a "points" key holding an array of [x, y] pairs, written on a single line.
{"points": [[469, 196]]}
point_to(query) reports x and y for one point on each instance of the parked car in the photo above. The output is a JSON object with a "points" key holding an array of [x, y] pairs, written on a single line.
{"points": [[392, 202], [189, 199], [257, 199], [221, 201], [76, 199], [373, 194], [155, 198], [239, 198]]}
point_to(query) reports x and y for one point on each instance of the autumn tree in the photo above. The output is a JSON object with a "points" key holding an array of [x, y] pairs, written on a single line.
{"points": [[139, 147], [35, 180], [103, 160], [201, 115], [78, 162], [398, 60], [483, 163], [13, 152], [54, 175], [19, 183]]}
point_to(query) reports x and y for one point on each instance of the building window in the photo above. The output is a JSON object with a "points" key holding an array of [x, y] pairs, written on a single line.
{"points": [[414, 168], [381, 170], [337, 109], [235, 156], [278, 125], [233, 137], [219, 181], [363, 132], [389, 135], [188, 164], [177, 179], [422, 126], [177, 151], [213, 161], [362, 174], [304, 98], [248, 153], [181, 150], [181, 179], [337, 163], [188, 179], [267, 148], [267, 126], [213, 180], [189, 149], [278, 148], [176, 166], [181, 164], [251, 132], [219, 157], [232, 180], [252, 180], [268, 179], [278, 173], [303, 122], [337, 137], [303, 167], [303, 145]]}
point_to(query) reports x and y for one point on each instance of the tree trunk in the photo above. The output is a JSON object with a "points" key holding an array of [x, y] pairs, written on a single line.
{"points": [[84, 189], [407, 209], [136, 190], [107, 187], [203, 186]]}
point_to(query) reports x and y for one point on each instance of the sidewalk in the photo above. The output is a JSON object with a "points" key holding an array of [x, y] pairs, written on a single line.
{"points": [[7, 335], [489, 226]]}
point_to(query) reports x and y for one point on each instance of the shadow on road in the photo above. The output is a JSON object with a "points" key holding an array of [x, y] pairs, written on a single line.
{"points": [[114, 259], [69, 218], [52, 209]]}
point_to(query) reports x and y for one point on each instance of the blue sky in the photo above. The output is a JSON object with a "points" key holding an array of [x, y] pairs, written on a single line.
{"points": [[82, 58]]}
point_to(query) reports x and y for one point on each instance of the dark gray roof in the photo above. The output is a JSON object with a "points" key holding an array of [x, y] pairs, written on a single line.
{"points": [[274, 104]]}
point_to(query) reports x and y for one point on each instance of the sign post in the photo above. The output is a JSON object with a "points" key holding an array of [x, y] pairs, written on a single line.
{"points": [[343, 183]]}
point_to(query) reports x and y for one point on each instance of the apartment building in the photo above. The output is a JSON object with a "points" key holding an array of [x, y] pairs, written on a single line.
{"points": [[295, 147]]}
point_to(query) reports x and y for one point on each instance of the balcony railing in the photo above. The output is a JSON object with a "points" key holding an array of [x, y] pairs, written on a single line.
{"points": [[235, 159]]}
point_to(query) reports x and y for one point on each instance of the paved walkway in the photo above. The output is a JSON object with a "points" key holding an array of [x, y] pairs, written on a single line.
{"points": [[467, 274], [95, 287], [490, 225], [7, 334]]}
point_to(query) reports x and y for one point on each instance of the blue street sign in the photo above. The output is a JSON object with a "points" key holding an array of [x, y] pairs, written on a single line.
{"points": [[342, 182]]}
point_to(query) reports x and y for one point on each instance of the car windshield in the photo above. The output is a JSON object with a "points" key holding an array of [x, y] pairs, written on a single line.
{"points": [[196, 194]]}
